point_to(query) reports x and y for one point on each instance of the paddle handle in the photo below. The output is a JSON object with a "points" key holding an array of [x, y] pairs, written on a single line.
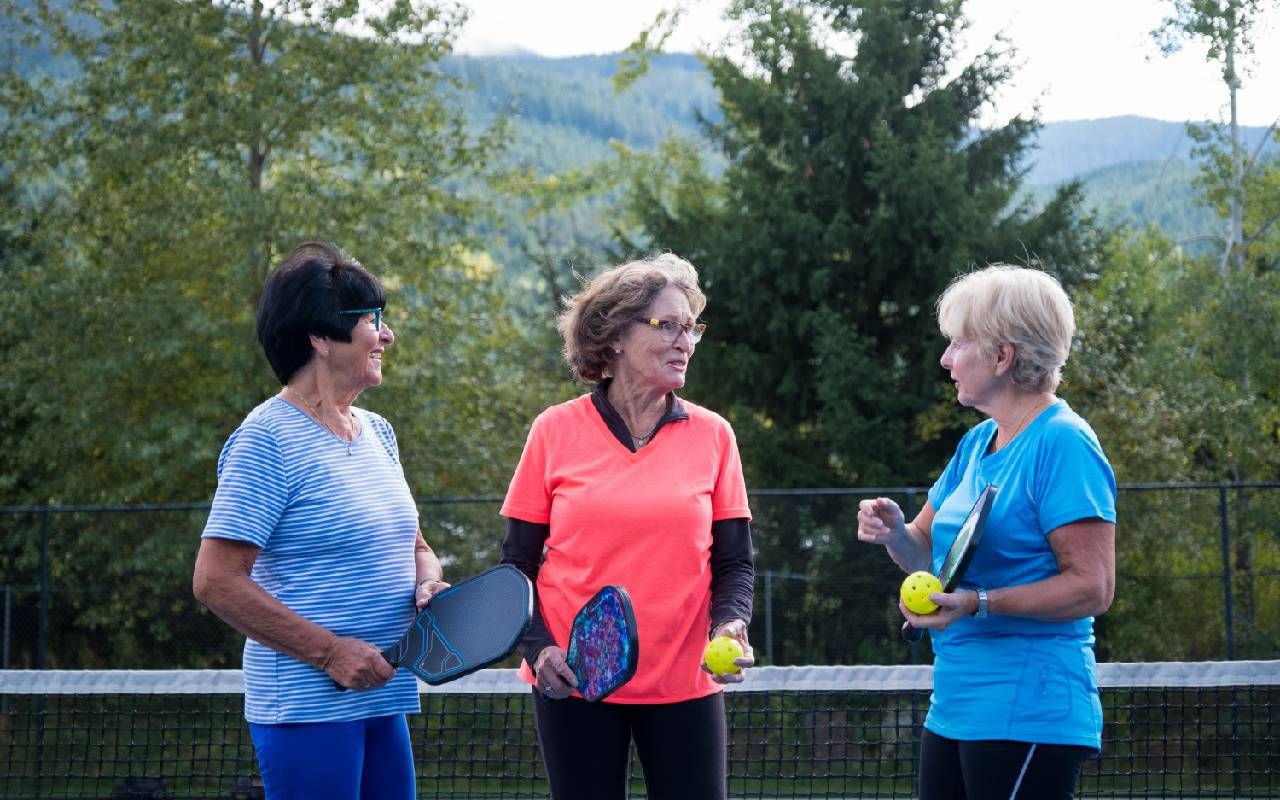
{"points": [[390, 654], [911, 633]]}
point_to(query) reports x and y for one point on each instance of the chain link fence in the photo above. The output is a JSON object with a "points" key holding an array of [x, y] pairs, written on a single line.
{"points": [[1198, 578]]}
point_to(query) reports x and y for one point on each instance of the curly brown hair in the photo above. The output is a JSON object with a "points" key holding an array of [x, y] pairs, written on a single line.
{"points": [[595, 317]]}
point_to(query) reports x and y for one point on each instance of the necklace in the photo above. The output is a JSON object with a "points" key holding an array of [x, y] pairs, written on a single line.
{"points": [[641, 441], [314, 410], [1021, 423]]}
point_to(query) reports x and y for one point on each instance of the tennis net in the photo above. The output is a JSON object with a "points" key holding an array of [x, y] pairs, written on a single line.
{"points": [[1171, 730]]}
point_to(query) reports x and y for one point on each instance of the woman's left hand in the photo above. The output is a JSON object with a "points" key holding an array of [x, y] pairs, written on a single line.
{"points": [[951, 607], [426, 590], [735, 629]]}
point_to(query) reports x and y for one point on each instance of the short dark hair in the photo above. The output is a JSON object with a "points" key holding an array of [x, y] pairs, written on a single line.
{"points": [[303, 297]]}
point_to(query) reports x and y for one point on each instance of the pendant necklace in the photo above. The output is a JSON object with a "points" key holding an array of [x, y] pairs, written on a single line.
{"points": [[641, 441]]}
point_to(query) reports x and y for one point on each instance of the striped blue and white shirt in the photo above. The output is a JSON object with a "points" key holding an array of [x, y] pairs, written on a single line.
{"points": [[336, 527]]}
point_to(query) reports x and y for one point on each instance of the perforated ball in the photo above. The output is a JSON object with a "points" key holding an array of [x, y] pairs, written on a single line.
{"points": [[916, 590], [720, 653]]}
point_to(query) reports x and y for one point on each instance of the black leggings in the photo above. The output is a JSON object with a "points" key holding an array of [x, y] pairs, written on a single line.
{"points": [[998, 769], [584, 746]]}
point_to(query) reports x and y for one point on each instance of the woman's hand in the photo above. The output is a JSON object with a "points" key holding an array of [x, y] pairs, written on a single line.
{"points": [[951, 607], [426, 590], [356, 664], [880, 521], [555, 679], [735, 629]]}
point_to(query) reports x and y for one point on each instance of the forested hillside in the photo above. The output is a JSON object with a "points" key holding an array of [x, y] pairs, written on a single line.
{"points": [[564, 112], [1066, 150]]}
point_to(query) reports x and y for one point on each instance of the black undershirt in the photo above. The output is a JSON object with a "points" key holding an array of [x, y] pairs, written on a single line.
{"points": [[600, 399]]}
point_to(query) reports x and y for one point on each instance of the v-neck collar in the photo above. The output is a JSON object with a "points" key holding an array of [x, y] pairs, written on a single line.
{"points": [[617, 428], [987, 455]]}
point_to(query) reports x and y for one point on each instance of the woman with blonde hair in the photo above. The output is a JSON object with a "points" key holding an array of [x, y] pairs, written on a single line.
{"points": [[1015, 709]]}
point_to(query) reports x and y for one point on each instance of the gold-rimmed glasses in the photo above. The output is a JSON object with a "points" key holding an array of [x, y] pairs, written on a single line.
{"points": [[671, 330]]}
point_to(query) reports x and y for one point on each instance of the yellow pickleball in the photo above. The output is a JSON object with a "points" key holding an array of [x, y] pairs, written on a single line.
{"points": [[916, 590], [720, 653]]}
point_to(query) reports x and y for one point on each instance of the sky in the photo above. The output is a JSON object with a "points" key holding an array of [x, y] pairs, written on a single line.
{"points": [[1079, 59]]}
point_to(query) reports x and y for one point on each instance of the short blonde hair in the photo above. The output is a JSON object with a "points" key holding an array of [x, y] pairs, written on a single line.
{"points": [[1023, 307], [596, 317]]}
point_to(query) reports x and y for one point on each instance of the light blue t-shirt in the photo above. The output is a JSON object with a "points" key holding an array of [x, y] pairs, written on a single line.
{"points": [[1007, 677], [337, 528]]}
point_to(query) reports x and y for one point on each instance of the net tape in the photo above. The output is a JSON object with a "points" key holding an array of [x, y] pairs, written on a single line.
{"points": [[1170, 674]]}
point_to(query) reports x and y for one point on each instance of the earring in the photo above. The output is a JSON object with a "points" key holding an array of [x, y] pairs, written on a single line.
{"points": [[617, 351]]}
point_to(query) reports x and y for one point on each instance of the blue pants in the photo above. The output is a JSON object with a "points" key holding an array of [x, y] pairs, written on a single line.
{"points": [[365, 759]]}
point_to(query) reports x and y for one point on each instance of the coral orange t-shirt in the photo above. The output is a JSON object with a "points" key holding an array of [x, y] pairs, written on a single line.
{"points": [[638, 520]]}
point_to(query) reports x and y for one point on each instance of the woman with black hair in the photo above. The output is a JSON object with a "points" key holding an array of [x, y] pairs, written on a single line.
{"points": [[312, 548]]}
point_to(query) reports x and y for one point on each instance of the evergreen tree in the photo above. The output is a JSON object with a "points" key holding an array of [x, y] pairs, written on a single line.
{"points": [[858, 184]]}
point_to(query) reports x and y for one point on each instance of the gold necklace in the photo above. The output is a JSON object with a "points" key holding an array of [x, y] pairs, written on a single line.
{"points": [[314, 410], [1021, 423]]}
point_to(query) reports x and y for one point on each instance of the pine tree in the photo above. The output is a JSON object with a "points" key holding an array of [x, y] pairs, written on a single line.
{"points": [[858, 184]]}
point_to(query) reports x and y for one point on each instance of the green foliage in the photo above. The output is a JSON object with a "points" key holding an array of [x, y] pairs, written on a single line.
{"points": [[1174, 368], [1212, 418], [178, 167], [553, 204], [855, 189], [565, 112], [146, 200], [1149, 193], [1223, 26]]}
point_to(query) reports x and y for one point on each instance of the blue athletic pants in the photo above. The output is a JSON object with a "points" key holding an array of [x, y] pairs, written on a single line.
{"points": [[365, 759]]}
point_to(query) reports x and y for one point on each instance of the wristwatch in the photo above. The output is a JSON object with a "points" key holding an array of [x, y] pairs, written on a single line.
{"points": [[981, 613]]}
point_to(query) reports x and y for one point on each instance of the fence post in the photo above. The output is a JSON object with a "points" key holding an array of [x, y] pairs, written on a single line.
{"points": [[768, 617], [1226, 571], [42, 629], [909, 511], [8, 623]]}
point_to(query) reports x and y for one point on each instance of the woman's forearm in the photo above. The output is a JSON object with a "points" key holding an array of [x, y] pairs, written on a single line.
{"points": [[248, 608]]}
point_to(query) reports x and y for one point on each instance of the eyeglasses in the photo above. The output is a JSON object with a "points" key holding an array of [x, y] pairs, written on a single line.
{"points": [[671, 330], [376, 312]]}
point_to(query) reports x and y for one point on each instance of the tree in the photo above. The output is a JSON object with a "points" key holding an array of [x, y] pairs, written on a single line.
{"points": [[1226, 27], [196, 145], [857, 185], [179, 152], [1164, 341]]}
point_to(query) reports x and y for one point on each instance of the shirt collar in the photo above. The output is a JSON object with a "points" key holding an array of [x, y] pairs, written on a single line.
{"points": [[600, 399]]}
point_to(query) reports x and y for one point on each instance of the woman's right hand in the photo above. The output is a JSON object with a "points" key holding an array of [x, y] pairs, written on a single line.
{"points": [[555, 679], [880, 521], [356, 664]]}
